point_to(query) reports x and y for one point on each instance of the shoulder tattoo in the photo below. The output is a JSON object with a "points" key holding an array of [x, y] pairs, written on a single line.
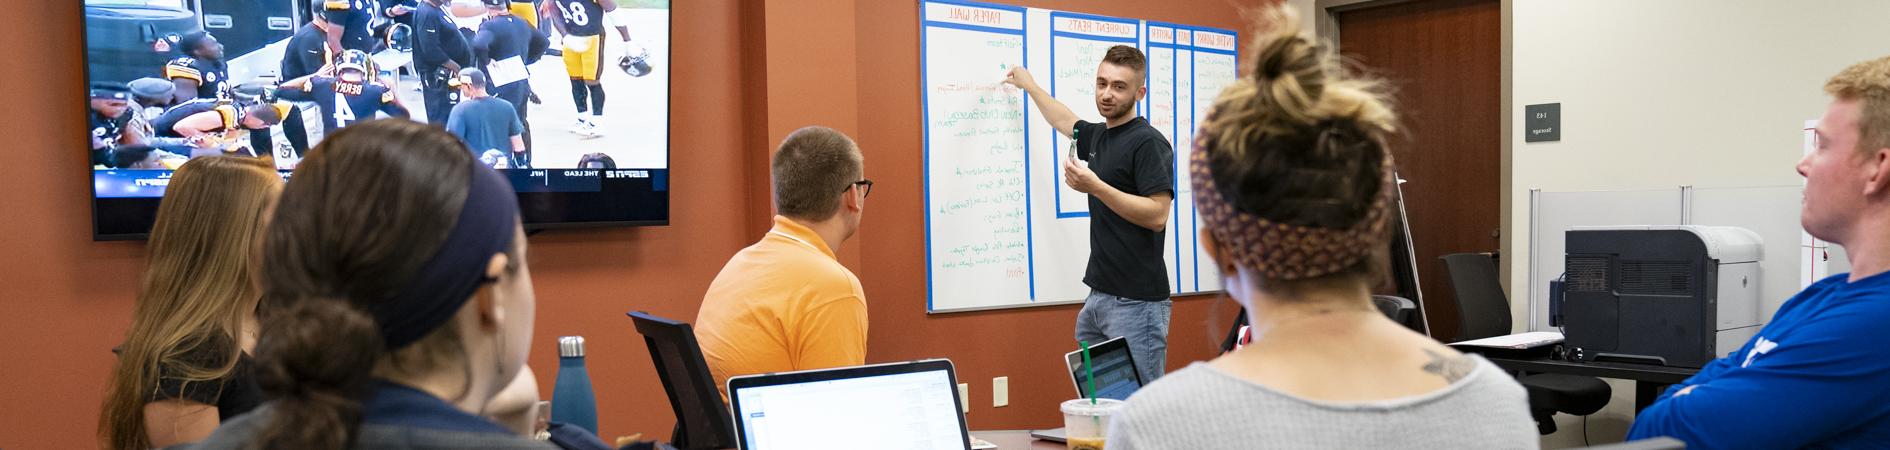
{"points": [[1452, 369]]}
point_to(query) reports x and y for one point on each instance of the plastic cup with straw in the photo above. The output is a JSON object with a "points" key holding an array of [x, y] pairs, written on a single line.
{"points": [[1089, 375], [1089, 371]]}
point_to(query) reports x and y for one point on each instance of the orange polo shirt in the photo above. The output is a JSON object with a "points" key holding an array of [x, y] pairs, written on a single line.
{"points": [[780, 305]]}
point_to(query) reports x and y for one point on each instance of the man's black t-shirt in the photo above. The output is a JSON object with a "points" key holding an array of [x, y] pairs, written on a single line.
{"points": [[1125, 259]]}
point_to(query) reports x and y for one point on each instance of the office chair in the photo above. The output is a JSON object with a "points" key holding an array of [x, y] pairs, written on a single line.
{"points": [[1399, 309], [1483, 311], [702, 420]]}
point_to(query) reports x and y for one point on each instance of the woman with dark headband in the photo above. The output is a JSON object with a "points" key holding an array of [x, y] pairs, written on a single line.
{"points": [[396, 299], [1292, 179]]}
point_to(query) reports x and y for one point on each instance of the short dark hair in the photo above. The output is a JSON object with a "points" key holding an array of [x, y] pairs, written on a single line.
{"points": [[812, 167], [190, 42], [1130, 57]]}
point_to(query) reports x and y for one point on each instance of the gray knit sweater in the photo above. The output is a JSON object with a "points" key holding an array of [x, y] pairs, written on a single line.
{"points": [[1201, 407]]}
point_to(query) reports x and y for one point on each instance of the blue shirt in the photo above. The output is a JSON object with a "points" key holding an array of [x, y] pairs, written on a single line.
{"points": [[484, 124], [1816, 376], [389, 403]]}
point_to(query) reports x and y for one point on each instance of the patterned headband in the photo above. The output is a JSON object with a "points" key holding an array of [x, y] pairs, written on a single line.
{"points": [[1279, 250]]}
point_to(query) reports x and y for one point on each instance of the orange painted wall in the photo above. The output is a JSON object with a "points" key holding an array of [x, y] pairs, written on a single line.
{"points": [[746, 73], [65, 300]]}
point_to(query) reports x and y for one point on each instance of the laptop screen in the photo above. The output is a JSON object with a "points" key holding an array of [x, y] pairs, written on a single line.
{"points": [[1115, 370], [914, 410]]}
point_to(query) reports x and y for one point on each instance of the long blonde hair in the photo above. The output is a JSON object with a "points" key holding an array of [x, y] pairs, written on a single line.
{"points": [[198, 289]]}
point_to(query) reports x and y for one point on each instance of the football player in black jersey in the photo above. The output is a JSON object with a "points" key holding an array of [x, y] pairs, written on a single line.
{"points": [[350, 24], [110, 110], [582, 24], [346, 91], [201, 72], [216, 125]]}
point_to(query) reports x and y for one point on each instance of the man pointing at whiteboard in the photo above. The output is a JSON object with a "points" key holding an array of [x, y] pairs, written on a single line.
{"points": [[1127, 169]]}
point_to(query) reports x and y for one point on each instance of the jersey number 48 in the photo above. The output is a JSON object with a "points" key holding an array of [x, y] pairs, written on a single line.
{"points": [[575, 11]]}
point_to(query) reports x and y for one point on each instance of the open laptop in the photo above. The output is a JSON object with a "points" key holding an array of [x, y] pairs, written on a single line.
{"points": [[908, 405], [1115, 376]]}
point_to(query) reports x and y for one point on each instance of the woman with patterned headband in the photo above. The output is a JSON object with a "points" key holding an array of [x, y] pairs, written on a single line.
{"points": [[1293, 181]]}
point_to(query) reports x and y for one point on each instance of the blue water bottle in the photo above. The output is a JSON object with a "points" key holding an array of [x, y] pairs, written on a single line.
{"points": [[572, 401]]}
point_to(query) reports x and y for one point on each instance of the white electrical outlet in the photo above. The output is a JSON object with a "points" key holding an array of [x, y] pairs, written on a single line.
{"points": [[1000, 392], [964, 395]]}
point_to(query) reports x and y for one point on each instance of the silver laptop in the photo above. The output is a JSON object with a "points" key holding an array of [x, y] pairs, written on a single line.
{"points": [[908, 405], [1115, 376]]}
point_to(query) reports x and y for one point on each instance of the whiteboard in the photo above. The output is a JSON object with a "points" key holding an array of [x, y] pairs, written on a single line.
{"points": [[1001, 229]]}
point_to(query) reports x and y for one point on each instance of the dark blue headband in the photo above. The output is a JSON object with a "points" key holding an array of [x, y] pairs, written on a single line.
{"points": [[458, 268]]}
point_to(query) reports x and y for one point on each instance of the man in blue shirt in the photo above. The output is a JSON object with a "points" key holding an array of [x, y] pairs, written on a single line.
{"points": [[1816, 376], [486, 123], [503, 47]]}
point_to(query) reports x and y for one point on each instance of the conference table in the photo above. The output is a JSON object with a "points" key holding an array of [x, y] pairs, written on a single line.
{"points": [[1016, 439]]}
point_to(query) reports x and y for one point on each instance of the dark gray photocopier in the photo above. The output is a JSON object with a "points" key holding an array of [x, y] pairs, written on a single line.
{"points": [[1667, 295]]}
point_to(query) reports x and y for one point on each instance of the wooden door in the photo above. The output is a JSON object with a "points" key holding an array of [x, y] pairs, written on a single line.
{"points": [[1444, 57]]}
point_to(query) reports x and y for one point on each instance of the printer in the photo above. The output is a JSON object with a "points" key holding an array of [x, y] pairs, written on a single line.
{"points": [[1668, 295]]}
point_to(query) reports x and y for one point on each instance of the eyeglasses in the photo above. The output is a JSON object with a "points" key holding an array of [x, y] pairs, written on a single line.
{"points": [[865, 192]]}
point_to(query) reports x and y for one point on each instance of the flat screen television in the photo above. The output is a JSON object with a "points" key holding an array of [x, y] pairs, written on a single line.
{"points": [[169, 80]]}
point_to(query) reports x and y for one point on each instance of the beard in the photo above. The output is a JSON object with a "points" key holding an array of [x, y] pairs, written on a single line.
{"points": [[1121, 111]]}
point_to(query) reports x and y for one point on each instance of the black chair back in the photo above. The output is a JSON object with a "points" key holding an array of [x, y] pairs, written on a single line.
{"points": [[1401, 310], [702, 419], [1482, 309]]}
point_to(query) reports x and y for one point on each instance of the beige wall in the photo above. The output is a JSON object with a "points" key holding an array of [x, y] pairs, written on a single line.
{"points": [[1667, 93], [1674, 92], [1659, 94]]}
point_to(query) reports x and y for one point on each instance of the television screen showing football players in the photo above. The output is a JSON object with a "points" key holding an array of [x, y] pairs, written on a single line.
{"points": [[568, 98]]}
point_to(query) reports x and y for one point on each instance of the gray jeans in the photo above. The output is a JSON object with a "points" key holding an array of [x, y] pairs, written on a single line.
{"points": [[1143, 323]]}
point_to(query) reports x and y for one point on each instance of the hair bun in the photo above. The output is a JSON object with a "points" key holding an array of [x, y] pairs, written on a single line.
{"points": [[321, 348], [316, 358]]}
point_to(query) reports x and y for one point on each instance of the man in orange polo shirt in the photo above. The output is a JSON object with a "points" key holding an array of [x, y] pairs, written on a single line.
{"points": [[785, 304]]}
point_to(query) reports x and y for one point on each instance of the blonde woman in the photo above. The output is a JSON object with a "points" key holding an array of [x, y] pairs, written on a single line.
{"points": [[1293, 182], [184, 367]]}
